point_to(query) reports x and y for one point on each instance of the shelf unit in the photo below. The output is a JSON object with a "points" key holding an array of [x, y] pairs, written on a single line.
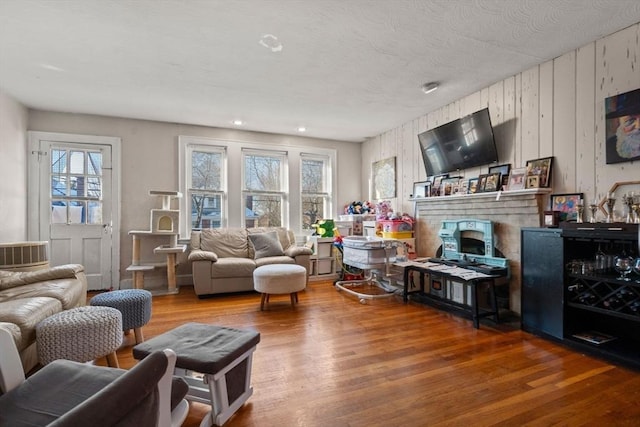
{"points": [[163, 222], [323, 259], [581, 304], [138, 267]]}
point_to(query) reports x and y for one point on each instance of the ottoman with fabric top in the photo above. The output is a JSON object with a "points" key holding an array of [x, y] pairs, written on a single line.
{"points": [[80, 334], [134, 304], [279, 279], [222, 356]]}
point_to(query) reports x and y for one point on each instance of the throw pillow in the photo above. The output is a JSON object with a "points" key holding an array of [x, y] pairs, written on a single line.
{"points": [[266, 244]]}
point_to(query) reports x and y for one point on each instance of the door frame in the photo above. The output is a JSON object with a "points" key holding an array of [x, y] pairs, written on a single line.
{"points": [[33, 193]]}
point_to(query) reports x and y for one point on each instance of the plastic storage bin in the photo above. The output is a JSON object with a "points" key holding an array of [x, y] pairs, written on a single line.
{"points": [[395, 225]]}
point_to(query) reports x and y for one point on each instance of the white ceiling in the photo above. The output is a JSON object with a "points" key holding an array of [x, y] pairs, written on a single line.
{"points": [[347, 70]]}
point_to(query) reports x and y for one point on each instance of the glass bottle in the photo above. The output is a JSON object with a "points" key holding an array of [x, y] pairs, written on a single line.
{"points": [[601, 261]]}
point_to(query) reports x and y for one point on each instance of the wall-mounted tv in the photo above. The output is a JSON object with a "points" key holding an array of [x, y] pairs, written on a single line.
{"points": [[460, 144]]}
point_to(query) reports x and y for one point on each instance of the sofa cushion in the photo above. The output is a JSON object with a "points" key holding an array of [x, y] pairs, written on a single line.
{"points": [[198, 255], [265, 245], [233, 267], [275, 260], [26, 313], [66, 291], [283, 236], [225, 242], [19, 278]]}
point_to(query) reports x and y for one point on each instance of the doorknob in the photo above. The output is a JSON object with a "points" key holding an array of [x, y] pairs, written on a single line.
{"points": [[107, 228]]}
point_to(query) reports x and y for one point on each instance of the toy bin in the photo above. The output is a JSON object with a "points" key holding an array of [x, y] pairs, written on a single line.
{"points": [[395, 225]]}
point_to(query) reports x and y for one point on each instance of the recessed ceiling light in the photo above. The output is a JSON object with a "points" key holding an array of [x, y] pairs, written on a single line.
{"points": [[302, 129], [429, 87], [238, 122]]}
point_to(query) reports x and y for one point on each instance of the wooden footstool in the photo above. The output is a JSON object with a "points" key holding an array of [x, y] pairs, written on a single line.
{"points": [[222, 356], [279, 279]]}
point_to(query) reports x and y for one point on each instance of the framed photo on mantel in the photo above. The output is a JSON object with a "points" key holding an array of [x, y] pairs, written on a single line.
{"points": [[540, 168]]}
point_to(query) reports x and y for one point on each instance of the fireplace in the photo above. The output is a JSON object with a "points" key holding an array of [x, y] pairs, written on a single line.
{"points": [[509, 211]]}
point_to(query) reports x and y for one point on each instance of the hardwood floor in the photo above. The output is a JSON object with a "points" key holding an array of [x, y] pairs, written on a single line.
{"points": [[334, 362]]}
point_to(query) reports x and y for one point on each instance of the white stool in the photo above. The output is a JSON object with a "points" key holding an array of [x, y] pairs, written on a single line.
{"points": [[279, 279]]}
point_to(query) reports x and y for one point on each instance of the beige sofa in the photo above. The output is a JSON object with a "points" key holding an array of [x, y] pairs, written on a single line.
{"points": [[223, 259], [26, 298]]}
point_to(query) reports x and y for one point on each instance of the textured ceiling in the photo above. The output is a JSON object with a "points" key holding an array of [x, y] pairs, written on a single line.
{"points": [[345, 69]]}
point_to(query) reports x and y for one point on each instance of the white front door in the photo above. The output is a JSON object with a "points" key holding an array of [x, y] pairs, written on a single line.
{"points": [[74, 208]]}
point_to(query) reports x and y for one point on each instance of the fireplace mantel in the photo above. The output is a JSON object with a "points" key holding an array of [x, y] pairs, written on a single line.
{"points": [[493, 195], [509, 210]]}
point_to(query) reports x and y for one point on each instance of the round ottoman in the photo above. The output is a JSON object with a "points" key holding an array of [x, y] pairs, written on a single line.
{"points": [[134, 304], [279, 279], [80, 334]]}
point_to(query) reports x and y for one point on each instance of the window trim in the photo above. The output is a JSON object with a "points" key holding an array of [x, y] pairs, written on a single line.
{"points": [[233, 177], [283, 156], [328, 184]]}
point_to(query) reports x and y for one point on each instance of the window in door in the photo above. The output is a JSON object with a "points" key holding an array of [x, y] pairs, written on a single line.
{"points": [[76, 186]]}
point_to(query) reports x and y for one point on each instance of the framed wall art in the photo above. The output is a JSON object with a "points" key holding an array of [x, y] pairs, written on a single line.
{"points": [[517, 179], [622, 127], [504, 172], [449, 185], [464, 186], [437, 183], [384, 178], [493, 181], [567, 205], [533, 181], [482, 180], [473, 185], [420, 189], [540, 168]]}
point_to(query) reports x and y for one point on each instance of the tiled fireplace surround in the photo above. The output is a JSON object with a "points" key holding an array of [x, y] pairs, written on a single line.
{"points": [[510, 211]]}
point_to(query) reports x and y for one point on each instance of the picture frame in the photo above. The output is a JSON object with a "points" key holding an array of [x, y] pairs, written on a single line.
{"points": [[384, 178], [472, 185], [517, 179], [504, 171], [622, 113], [482, 180], [566, 204], [420, 189], [447, 185], [551, 219], [533, 181], [493, 182], [464, 186], [542, 169], [437, 181]]}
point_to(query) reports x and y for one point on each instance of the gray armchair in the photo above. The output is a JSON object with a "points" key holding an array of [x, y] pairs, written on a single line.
{"points": [[65, 393]]}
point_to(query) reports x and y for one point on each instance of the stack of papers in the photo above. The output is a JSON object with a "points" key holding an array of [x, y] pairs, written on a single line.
{"points": [[463, 273]]}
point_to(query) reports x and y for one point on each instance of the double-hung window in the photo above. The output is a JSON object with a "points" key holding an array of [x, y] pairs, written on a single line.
{"points": [[264, 188], [315, 188], [206, 185]]}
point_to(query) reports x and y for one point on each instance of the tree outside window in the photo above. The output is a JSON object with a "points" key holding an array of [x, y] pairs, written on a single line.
{"points": [[206, 189], [264, 195], [315, 198]]}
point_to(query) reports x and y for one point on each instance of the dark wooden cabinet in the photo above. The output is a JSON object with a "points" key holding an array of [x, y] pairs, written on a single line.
{"points": [[565, 296], [542, 281]]}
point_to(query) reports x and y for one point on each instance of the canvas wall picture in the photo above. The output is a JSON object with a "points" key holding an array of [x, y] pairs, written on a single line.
{"points": [[623, 127]]}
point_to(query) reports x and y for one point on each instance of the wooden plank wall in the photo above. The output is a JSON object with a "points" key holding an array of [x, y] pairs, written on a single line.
{"points": [[553, 109]]}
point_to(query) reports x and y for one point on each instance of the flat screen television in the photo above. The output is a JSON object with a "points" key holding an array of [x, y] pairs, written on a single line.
{"points": [[461, 144]]}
